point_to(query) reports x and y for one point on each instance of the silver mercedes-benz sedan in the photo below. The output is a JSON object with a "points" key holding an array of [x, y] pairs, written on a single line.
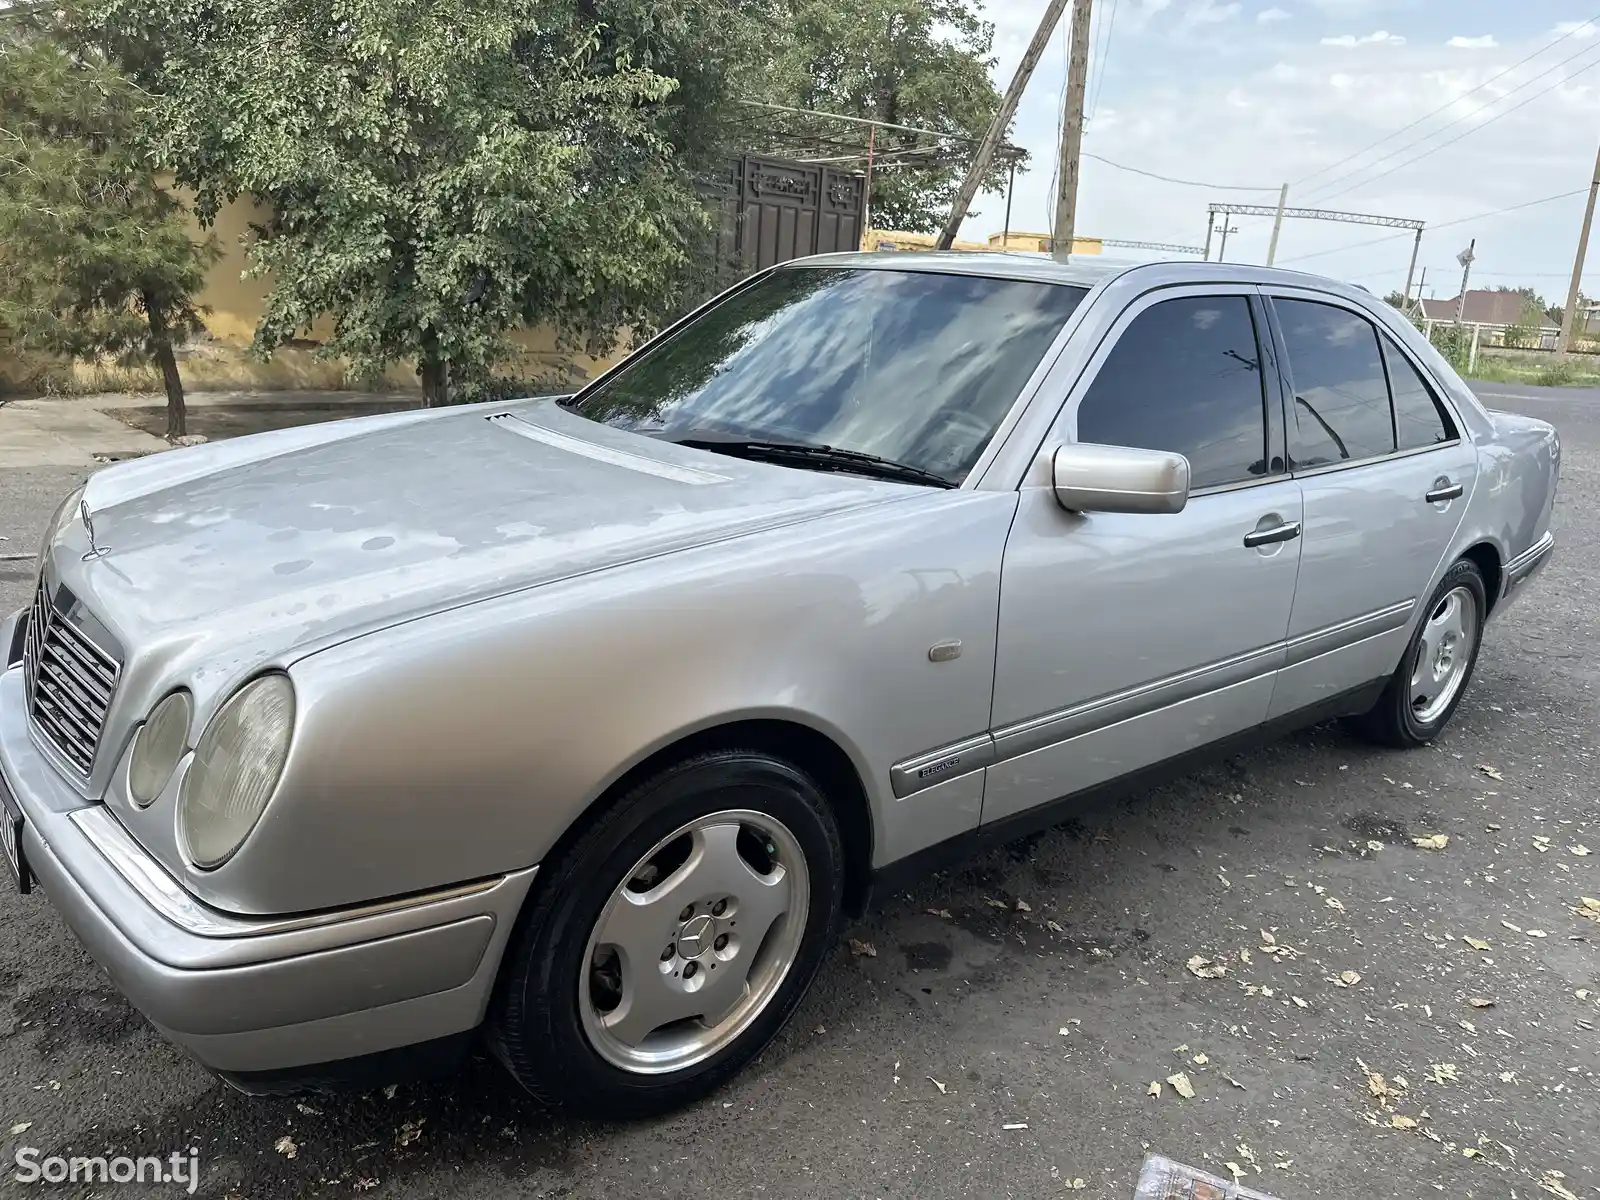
{"points": [[577, 724]]}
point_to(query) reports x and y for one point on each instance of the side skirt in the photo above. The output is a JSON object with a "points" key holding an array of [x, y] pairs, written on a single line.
{"points": [[898, 875]]}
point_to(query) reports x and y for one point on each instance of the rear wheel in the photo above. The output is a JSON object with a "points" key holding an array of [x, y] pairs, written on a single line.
{"points": [[1424, 693], [674, 939]]}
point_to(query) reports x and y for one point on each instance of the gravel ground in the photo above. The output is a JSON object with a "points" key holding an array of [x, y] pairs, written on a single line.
{"points": [[1044, 987]]}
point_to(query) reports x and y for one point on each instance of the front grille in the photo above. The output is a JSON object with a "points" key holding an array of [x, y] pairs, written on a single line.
{"points": [[68, 681]]}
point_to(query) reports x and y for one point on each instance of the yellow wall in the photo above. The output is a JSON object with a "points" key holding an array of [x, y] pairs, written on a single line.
{"points": [[885, 239]]}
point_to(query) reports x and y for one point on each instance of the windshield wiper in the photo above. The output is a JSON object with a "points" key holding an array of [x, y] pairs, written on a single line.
{"points": [[824, 457]]}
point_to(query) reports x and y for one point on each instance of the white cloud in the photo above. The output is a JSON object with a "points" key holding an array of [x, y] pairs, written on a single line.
{"points": [[1582, 29], [1208, 12], [1271, 14], [1381, 37], [1484, 42]]}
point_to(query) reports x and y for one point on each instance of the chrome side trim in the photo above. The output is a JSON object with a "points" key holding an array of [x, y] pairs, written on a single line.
{"points": [[166, 896], [1371, 460], [1049, 729], [1520, 564], [1527, 564], [948, 762], [1035, 733], [512, 423], [1347, 633]]}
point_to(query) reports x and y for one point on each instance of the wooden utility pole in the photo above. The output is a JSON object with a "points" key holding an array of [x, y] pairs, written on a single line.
{"points": [[1465, 258], [1072, 134], [1569, 315], [1277, 225], [1001, 122]]}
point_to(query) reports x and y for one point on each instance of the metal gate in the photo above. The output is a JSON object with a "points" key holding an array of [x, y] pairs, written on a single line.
{"points": [[772, 210]]}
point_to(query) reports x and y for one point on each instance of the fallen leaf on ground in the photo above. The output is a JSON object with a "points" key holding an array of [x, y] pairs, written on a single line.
{"points": [[1468, 1026], [1349, 978], [1333, 903], [1299, 1003], [1180, 1084], [993, 903], [937, 1084], [1154, 1089], [286, 1147], [1235, 1082], [1476, 943], [1579, 851], [1202, 967], [866, 949], [1491, 772], [1445, 1073], [1434, 841], [1480, 1002], [1268, 938], [1537, 933], [1233, 1167], [21, 1127], [1200, 1060], [1024, 906], [1015, 1125], [1469, 1152], [1399, 1122], [942, 913], [1052, 925], [1510, 926], [1551, 1182], [409, 1132], [1077, 1185]]}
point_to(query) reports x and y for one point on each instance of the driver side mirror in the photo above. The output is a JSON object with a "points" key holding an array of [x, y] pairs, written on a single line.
{"points": [[1117, 479]]}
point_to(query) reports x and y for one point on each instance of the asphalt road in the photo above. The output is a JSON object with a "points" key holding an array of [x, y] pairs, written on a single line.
{"points": [[904, 1069]]}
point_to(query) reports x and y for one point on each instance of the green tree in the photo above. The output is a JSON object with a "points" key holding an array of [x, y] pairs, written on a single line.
{"points": [[96, 257], [440, 172], [921, 63]]}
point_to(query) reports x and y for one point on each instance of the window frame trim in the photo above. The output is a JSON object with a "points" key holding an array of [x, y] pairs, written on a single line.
{"points": [[1065, 426], [1386, 343], [1270, 295]]}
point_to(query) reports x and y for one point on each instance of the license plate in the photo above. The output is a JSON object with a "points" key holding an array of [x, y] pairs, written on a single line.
{"points": [[11, 839]]}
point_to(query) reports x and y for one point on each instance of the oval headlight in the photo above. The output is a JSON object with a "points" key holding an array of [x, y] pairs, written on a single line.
{"points": [[160, 744], [235, 770]]}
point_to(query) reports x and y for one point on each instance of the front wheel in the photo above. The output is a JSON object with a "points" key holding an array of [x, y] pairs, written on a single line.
{"points": [[1424, 693], [674, 939]]}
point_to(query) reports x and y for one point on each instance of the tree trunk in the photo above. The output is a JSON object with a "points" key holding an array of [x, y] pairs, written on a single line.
{"points": [[435, 382], [161, 346]]}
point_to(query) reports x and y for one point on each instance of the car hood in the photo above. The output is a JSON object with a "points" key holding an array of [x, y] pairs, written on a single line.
{"points": [[292, 540]]}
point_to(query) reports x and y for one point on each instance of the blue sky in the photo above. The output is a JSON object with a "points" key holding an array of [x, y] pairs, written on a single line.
{"points": [[1255, 93]]}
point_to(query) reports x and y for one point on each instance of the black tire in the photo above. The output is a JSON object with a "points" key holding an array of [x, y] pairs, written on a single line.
{"points": [[535, 1027], [1392, 721]]}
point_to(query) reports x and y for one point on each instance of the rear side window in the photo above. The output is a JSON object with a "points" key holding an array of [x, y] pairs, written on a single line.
{"points": [[1186, 376], [1419, 420], [1341, 395]]}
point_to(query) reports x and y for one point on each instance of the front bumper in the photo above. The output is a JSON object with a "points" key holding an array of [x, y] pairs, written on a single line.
{"points": [[252, 995]]}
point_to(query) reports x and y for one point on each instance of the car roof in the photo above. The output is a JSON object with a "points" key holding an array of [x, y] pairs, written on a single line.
{"points": [[1079, 270]]}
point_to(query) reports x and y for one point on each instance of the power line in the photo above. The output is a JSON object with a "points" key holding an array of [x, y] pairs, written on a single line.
{"points": [[1450, 103], [1215, 187], [1326, 196], [1483, 216], [1105, 53]]}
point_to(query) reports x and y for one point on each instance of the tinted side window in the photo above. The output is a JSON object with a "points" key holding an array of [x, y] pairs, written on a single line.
{"points": [[1185, 376], [1341, 398], [1418, 419]]}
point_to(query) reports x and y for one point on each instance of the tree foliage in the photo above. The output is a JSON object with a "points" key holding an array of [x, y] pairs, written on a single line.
{"points": [[921, 63], [95, 256], [440, 172]]}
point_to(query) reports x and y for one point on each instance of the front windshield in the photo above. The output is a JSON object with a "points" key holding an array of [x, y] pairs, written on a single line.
{"points": [[913, 366]]}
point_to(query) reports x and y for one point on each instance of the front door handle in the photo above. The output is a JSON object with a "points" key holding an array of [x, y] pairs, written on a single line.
{"points": [[1286, 532], [1445, 491]]}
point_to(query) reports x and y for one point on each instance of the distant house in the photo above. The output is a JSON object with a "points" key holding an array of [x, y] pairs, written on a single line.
{"points": [[1482, 308]]}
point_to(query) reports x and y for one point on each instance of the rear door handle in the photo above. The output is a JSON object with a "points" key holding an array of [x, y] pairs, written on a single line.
{"points": [[1286, 532], [1445, 491]]}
